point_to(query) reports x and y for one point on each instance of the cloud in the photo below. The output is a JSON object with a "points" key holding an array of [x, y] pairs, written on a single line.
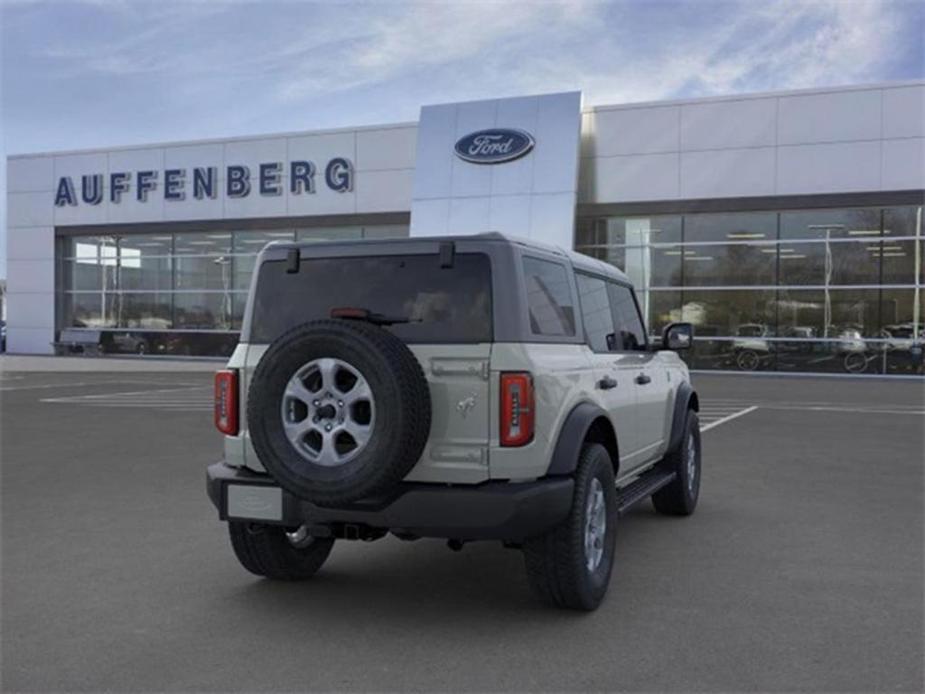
{"points": [[410, 37], [143, 70]]}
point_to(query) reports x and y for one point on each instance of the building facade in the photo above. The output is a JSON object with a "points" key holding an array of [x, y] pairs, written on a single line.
{"points": [[787, 226]]}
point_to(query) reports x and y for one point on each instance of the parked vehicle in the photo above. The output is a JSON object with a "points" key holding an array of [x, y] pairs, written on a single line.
{"points": [[467, 388], [127, 343], [750, 348]]}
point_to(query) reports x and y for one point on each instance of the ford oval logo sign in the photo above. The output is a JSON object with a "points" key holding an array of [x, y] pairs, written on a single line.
{"points": [[494, 146]]}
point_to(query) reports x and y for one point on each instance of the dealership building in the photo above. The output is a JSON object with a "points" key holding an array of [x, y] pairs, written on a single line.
{"points": [[786, 226]]}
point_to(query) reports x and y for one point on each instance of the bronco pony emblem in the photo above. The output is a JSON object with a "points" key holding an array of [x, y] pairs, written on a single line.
{"points": [[463, 406]]}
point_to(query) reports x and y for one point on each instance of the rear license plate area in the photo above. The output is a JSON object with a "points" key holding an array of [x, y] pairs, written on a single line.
{"points": [[254, 502]]}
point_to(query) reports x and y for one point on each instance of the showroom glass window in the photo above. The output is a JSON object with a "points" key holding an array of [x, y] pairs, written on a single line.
{"points": [[804, 290], [173, 292]]}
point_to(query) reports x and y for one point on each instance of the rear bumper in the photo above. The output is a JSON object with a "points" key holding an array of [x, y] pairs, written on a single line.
{"points": [[489, 511]]}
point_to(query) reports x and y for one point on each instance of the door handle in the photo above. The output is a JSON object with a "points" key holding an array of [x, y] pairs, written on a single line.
{"points": [[642, 379], [607, 383]]}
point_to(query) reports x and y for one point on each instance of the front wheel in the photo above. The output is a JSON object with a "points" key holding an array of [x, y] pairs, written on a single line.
{"points": [[570, 566], [679, 498], [274, 552]]}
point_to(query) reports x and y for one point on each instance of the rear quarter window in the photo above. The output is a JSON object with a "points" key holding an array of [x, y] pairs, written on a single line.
{"points": [[549, 298], [443, 305]]}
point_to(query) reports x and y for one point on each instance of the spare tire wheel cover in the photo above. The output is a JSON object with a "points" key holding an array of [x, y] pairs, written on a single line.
{"points": [[338, 411]]}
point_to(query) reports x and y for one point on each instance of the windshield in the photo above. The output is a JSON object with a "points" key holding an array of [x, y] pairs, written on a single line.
{"points": [[751, 331], [440, 304]]}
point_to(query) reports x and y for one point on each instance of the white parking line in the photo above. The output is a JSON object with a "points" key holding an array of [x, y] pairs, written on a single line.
{"points": [[833, 408], [46, 386], [189, 398], [728, 418]]}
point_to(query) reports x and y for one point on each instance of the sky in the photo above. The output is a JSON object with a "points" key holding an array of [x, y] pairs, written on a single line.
{"points": [[96, 73]]}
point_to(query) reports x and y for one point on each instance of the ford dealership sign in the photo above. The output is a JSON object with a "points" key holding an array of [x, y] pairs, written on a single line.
{"points": [[494, 146]]}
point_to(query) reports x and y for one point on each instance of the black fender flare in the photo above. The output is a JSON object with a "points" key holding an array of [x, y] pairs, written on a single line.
{"points": [[685, 399], [574, 433]]}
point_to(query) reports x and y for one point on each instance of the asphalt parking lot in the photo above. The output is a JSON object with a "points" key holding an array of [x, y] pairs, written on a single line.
{"points": [[802, 569]]}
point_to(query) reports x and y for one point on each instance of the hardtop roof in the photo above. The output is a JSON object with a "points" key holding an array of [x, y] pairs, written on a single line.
{"points": [[578, 260]]}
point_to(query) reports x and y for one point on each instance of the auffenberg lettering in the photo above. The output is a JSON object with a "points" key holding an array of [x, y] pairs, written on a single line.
{"points": [[268, 179]]}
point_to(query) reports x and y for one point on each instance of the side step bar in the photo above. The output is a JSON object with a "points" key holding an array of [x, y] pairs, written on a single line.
{"points": [[645, 486]]}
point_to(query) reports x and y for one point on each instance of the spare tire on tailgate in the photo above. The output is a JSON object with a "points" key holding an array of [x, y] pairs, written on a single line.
{"points": [[338, 411]]}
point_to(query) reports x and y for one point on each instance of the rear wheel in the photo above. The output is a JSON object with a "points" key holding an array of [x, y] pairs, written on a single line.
{"points": [[855, 363], [275, 552], [680, 497], [570, 566], [747, 360]]}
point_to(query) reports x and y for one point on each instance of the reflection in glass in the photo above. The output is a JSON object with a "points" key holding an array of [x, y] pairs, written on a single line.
{"points": [[858, 223], [902, 221], [899, 260], [146, 272], [253, 241], [900, 313], [333, 233], [243, 270], [633, 231], [238, 303], [204, 311], [661, 308], [204, 272], [843, 314], [203, 243], [146, 244], [727, 312], [549, 298], [89, 310], [829, 263], [151, 311], [735, 226], [97, 250], [86, 276], [734, 265], [596, 314]]}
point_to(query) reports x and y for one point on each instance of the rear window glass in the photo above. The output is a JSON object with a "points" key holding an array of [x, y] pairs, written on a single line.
{"points": [[441, 304]]}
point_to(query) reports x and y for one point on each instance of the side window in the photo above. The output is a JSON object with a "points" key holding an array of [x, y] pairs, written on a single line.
{"points": [[596, 313], [549, 298], [631, 334]]}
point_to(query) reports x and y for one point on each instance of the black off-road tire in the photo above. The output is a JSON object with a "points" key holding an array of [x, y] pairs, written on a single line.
{"points": [[680, 497], [265, 550], [399, 430], [855, 362], [556, 562], [748, 360]]}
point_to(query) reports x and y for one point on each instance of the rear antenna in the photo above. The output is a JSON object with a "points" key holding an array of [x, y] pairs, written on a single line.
{"points": [[447, 253], [292, 261]]}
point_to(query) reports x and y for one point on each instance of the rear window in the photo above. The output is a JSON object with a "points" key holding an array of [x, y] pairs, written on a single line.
{"points": [[442, 304]]}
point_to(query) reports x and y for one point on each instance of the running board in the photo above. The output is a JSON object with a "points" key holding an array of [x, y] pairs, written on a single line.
{"points": [[645, 486]]}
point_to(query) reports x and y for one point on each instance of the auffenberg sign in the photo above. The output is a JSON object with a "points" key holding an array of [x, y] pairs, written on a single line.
{"points": [[203, 182]]}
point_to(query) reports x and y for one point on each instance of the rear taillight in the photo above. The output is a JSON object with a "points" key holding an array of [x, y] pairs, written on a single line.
{"points": [[517, 414], [226, 401]]}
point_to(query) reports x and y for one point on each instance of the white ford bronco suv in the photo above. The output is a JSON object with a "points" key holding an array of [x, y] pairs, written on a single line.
{"points": [[466, 388]]}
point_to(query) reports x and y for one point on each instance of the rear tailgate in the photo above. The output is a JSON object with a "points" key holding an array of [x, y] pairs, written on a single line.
{"points": [[457, 450]]}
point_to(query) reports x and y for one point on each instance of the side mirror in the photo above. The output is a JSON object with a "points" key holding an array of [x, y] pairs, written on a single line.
{"points": [[678, 336]]}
